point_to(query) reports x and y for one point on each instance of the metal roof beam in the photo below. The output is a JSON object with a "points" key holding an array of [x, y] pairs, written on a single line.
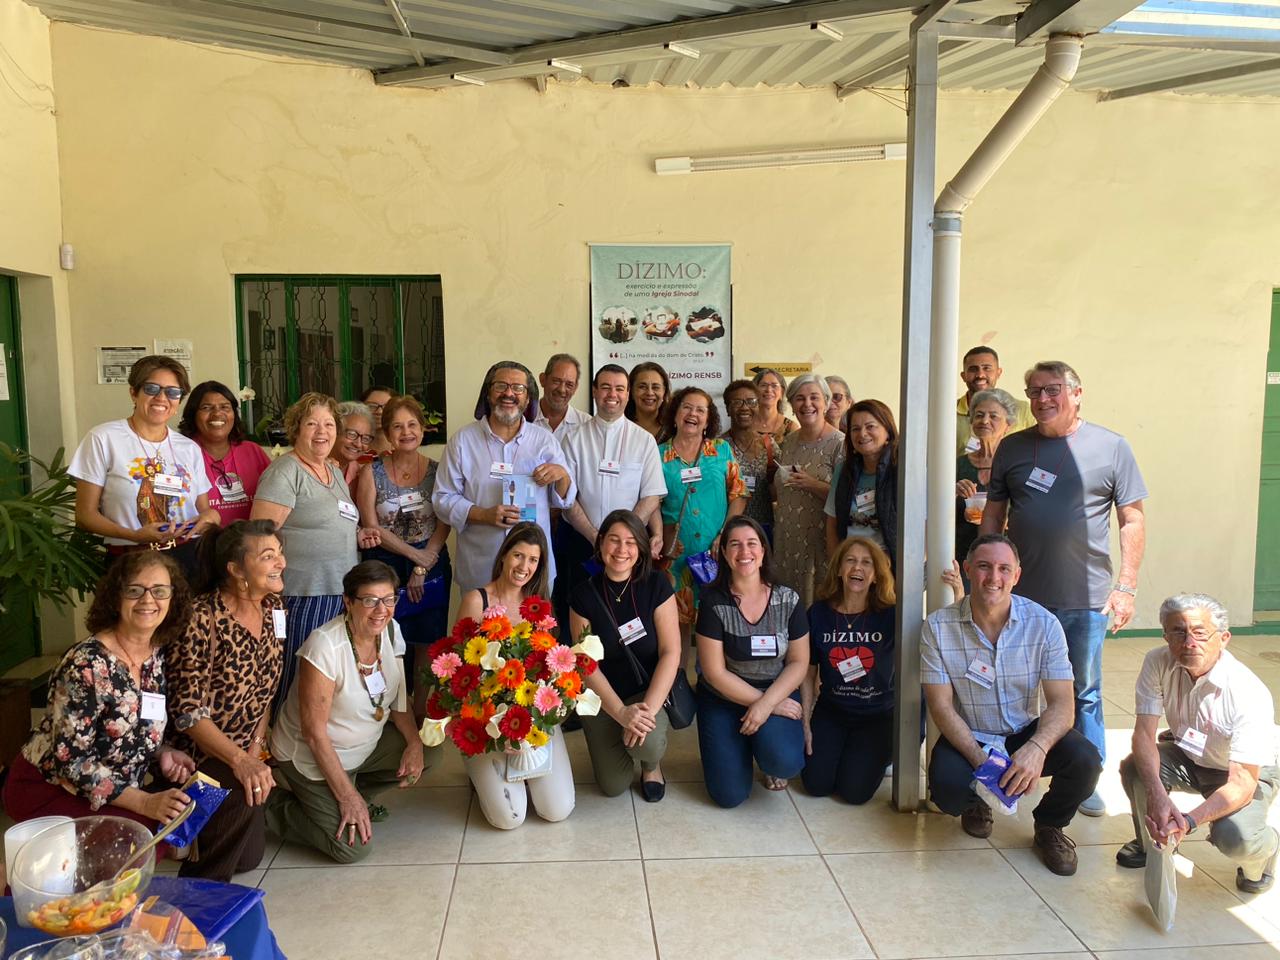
{"points": [[398, 16], [648, 40], [1192, 79], [931, 13], [1069, 16], [891, 64]]}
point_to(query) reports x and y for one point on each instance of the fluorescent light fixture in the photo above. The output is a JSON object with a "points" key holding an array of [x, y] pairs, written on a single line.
{"points": [[781, 158], [463, 78], [693, 53], [827, 30], [564, 65]]}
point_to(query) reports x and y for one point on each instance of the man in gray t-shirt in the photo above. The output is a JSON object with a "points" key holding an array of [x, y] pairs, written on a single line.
{"points": [[1056, 484]]}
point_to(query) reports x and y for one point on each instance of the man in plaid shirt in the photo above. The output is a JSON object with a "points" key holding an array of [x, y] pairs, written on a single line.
{"points": [[984, 662]]}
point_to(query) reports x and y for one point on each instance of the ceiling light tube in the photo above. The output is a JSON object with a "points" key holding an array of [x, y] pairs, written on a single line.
{"points": [[827, 30], [564, 65], [683, 49], [781, 158], [464, 78]]}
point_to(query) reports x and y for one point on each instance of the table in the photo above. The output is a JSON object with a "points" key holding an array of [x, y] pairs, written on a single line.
{"points": [[222, 911]]}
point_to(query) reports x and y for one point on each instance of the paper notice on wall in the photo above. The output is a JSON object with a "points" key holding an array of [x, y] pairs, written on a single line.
{"points": [[4, 375], [114, 362], [179, 350], [1273, 377]]}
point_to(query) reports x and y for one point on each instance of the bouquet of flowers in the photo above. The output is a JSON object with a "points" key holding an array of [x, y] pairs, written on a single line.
{"points": [[503, 686]]}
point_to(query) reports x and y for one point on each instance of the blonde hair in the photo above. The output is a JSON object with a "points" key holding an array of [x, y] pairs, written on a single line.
{"points": [[883, 595], [298, 411]]}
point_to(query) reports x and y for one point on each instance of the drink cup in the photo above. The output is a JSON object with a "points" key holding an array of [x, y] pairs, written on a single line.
{"points": [[973, 507]]}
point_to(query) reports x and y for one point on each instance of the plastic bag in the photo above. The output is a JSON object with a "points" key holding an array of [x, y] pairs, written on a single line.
{"points": [[207, 796], [1161, 882], [703, 566], [986, 782]]}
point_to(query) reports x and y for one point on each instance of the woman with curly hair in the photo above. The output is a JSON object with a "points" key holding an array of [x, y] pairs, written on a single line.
{"points": [[104, 727]]}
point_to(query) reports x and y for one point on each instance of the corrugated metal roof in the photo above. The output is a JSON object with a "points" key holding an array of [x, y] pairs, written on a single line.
{"points": [[1157, 46]]}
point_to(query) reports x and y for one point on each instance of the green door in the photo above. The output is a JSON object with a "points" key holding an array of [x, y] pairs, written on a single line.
{"points": [[18, 638], [1266, 584]]}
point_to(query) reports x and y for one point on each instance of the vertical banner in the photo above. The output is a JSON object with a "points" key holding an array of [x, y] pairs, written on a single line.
{"points": [[666, 304]]}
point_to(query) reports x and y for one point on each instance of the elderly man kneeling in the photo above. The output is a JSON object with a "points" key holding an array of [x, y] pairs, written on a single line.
{"points": [[1220, 744]]}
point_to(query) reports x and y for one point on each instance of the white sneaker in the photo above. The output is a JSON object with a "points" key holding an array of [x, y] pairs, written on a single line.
{"points": [[1094, 806]]}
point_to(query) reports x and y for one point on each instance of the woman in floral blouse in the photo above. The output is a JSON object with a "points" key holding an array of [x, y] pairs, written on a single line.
{"points": [[223, 673], [105, 723]]}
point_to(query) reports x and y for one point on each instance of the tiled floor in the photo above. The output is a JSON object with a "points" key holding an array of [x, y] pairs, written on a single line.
{"points": [[784, 876]]}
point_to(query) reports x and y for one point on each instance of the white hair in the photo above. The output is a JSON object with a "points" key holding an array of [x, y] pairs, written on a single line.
{"points": [[803, 381], [1187, 602]]}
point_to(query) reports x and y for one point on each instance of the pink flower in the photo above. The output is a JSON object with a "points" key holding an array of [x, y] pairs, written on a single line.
{"points": [[547, 623], [444, 665], [497, 610], [561, 659], [546, 699]]}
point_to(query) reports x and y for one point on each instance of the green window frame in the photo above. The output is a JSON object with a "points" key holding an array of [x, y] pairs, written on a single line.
{"points": [[338, 334]]}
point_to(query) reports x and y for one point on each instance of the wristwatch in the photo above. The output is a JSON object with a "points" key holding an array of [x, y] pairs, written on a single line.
{"points": [[419, 571], [1191, 824], [1125, 588]]}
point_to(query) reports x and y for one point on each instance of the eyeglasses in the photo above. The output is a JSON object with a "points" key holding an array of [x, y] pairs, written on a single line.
{"points": [[215, 408], [355, 436], [375, 407], [744, 402], [154, 389], [370, 602], [136, 591], [1049, 390], [519, 389], [1198, 634]]}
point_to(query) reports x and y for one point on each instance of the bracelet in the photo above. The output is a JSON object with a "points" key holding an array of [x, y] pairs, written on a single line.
{"points": [[1038, 747], [258, 740], [1125, 588], [1191, 824], [419, 571]]}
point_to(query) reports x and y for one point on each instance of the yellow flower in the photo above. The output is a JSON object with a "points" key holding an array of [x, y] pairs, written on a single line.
{"points": [[491, 687], [522, 630], [524, 693], [475, 649], [535, 737]]}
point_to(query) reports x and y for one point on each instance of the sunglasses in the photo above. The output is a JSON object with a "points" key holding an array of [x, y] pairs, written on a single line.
{"points": [[154, 389]]}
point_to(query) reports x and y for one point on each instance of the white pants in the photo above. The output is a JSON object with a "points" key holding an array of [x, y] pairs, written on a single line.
{"points": [[504, 804]]}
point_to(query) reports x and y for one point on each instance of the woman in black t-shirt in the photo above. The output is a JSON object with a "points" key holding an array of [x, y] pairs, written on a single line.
{"points": [[632, 608]]}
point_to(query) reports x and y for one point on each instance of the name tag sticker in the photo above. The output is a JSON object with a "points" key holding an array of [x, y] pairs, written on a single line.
{"points": [[233, 490], [851, 668], [153, 707], [1041, 479], [279, 623], [751, 483], [690, 474], [376, 683], [764, 646], [631, 631], [170, 484], [348, 511], [500, 469], [865, 501], [981, 673], [610, 468], [412, 501], [971, 445], [1193, 742]]}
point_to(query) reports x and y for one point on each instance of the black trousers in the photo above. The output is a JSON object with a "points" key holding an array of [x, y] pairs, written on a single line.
{"points": [[572, 550], [235, 837], [849, 755], [1073, 763]]}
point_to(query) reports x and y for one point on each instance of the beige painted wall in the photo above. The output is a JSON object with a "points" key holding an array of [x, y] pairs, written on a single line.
{"points": [[1123, 237]]}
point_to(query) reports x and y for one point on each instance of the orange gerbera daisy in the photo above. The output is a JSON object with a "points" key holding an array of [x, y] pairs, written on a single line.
{"points": [[512, 674], [570, 683], [478, 711], [499, 628], [541, 640]]}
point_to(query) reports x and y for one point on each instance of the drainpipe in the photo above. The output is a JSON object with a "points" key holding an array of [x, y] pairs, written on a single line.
{"points": [[1062, 57]]}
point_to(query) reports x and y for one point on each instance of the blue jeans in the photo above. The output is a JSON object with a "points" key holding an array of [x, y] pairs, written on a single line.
{"points": [[727, 755], [1085, 630]]}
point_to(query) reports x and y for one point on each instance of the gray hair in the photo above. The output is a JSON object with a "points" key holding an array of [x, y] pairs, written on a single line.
{"points": [[354, 408], [1059, 369], [1186, 602], [803, 380], [833, 379], [1002, 397], [531, 405], [559, 358]]}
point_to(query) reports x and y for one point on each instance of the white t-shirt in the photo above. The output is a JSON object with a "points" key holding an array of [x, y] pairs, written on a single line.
{"points": [[352, 729], [573, 418], [1229, 710], [142, 482], [615, 465]]}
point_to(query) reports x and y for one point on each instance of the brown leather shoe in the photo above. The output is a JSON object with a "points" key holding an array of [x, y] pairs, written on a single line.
{"points": [[977, 821], [1057, 850]]}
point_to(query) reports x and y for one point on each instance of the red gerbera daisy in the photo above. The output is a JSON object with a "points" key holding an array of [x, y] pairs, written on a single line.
{"points": [[463, 629], [515, 723], [435, 710], [586, 666], [469, 735], [534, 608], [443, 645], [465, 679]]}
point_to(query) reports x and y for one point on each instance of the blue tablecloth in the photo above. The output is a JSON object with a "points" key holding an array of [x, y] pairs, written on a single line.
{"points": [[221, 911]]}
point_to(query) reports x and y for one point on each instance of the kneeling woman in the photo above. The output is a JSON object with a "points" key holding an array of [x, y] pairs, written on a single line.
{"points": [[336, 748], [632, 608], [753, 648], [519, 571], [103, 728]]}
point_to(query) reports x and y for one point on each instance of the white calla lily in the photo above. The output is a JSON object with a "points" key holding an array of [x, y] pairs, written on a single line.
{"points": [[491, 728], [491, 660], [432, 732], [591, 646], [588, 702]]}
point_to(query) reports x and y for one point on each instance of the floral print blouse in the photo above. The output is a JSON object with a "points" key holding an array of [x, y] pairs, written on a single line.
{"points": [[93, 739]]}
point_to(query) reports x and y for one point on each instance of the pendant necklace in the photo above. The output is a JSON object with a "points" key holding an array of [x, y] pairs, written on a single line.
{"points": [[364, 669]]}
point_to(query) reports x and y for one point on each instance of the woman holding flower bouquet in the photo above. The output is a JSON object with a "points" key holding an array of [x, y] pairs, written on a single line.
{"points": [[346, 732], [632, 608], [520, 582]]}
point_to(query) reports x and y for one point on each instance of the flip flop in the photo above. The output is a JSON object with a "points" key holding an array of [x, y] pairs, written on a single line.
{"points": [[774, 783], [378, 813]]}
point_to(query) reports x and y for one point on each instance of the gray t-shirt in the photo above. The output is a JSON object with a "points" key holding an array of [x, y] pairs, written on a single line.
{"points": [[319, 535], [1060, 492]]}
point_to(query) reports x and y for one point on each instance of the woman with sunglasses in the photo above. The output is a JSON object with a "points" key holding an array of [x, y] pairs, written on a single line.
{"points": [[103, 728], [346, 733], [139, 484], [223, 673], [232, 462]]}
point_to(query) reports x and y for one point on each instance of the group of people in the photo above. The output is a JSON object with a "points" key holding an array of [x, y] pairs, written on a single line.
{"points": [[768, 545]]}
